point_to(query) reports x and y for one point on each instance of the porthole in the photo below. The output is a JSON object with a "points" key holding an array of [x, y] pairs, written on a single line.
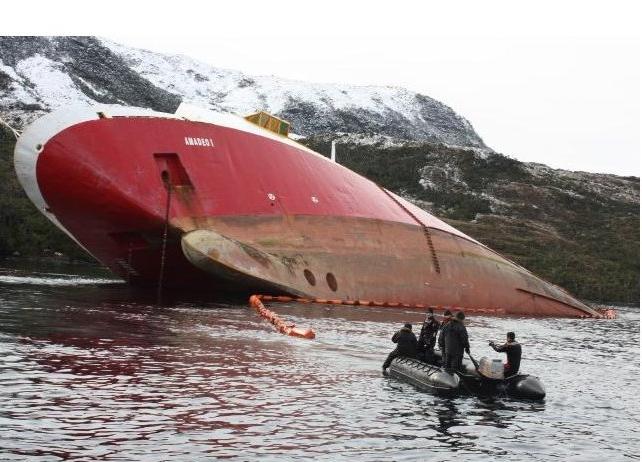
{"points": [[332, 282], [310, 277]]}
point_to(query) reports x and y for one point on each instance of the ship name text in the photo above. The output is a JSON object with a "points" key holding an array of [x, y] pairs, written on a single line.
{"points": [[196, 141]]}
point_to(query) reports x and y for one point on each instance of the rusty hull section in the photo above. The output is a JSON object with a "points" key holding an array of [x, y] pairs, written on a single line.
{"points": [[365, 259]]}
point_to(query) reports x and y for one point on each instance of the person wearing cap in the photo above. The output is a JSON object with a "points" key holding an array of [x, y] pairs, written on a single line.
{"points": [[406, 345], [448, 317], [513, 352], [455, 342], [428, 337]]}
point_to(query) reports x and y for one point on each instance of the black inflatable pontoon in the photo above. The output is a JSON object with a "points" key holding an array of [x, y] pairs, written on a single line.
{"points": [[433, 378]]}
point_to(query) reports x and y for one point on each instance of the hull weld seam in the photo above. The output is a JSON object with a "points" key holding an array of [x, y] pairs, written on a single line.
{"points": [[424, 228]]}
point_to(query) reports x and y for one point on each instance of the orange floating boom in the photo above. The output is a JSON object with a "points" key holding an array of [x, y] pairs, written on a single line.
{"points": [[281, 326], [601, 313]]}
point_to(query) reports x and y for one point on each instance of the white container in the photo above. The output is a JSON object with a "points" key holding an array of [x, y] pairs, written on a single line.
{"points": [[491, 368]]}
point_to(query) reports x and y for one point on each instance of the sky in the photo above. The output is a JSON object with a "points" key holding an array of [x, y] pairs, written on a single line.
{"points": [[548, 81]]}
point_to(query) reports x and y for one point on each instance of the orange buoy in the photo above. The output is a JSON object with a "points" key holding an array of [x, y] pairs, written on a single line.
{"points": [[607, 313]]}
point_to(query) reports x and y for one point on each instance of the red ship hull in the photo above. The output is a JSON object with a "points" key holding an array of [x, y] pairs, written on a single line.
{"points": [[252, 211]]}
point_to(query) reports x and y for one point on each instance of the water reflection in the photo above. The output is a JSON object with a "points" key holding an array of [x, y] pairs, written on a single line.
{"points": [[98, 373], [448, 416]]}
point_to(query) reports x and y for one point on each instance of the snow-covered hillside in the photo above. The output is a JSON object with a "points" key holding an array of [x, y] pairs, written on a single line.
{"points": [[38, 74]]}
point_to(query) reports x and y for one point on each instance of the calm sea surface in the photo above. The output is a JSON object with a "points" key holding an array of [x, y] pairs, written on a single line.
{"points": [[90, 370]]}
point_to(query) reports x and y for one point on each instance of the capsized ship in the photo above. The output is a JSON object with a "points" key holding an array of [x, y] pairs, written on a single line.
{"points": [[249, 210]]}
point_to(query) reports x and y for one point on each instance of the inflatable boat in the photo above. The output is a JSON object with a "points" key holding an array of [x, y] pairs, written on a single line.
{"points": [[432, 378]]}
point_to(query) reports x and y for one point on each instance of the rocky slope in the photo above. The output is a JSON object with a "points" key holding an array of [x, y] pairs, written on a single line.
{"points": [[38, 74]]}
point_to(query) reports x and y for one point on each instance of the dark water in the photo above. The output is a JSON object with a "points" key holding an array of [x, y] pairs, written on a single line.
{"points": [[91, 371]]}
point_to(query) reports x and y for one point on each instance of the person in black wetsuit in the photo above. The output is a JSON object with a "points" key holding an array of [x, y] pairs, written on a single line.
{"points": [[428, 337], [406, 345], [448, 317], [456, 342], [513, 352]]}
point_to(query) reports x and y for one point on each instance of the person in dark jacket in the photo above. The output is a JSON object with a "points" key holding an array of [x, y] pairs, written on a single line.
{"points": [[513, 352], [428, 337], [448, 317], [455, 342], [406, 345]]}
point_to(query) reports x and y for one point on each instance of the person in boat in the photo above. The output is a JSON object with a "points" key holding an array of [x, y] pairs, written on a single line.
{"points": [[455, 343], [428, 337], [513, 352], [406, 345], [448, 316]]}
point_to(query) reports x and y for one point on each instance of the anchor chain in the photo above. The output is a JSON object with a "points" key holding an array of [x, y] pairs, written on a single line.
{"points": [[129, 262], [168, 186]]}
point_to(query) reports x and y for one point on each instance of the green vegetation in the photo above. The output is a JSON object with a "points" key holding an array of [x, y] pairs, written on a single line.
{"points": [[23, 230], [602, 266]]}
